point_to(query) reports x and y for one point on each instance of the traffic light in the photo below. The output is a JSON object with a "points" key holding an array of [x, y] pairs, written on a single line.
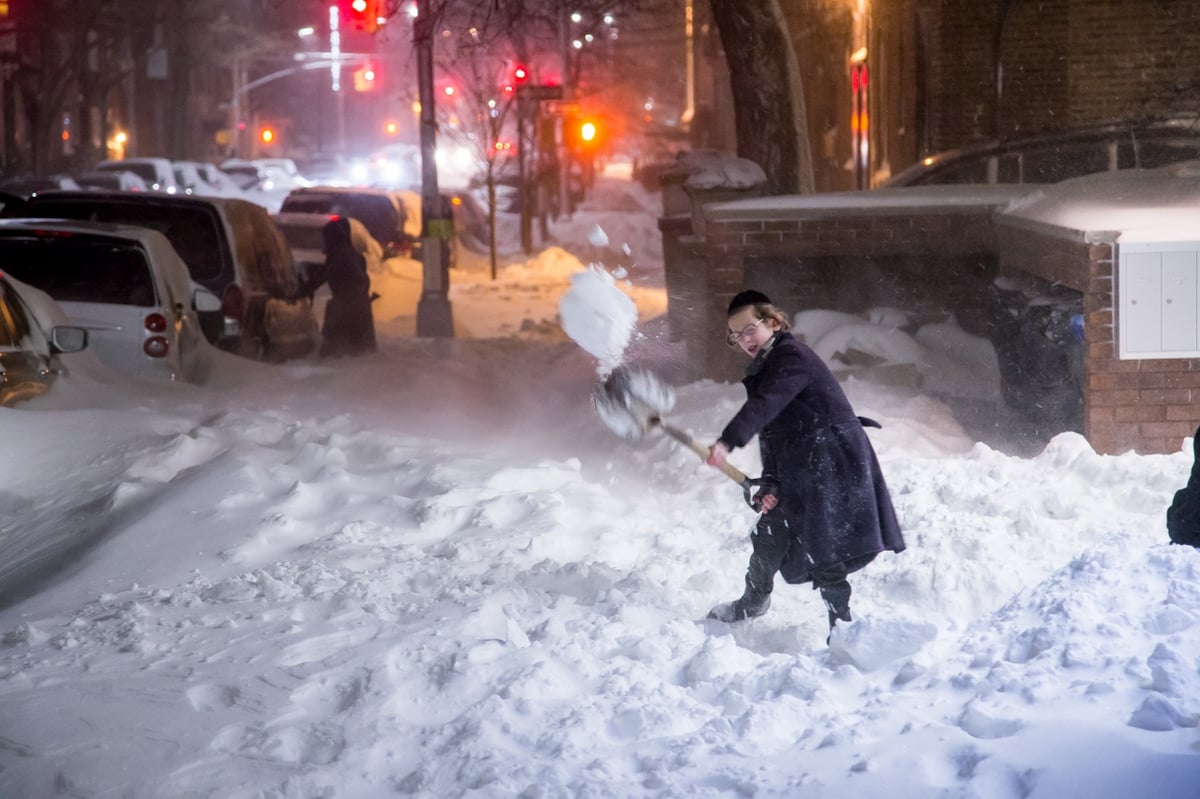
{"points": [[364, 78], [584, 134], [360, 15], [266, 135], [587, 132], [518, 76]]}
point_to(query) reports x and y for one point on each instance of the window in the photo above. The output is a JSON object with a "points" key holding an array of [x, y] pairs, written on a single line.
{"points": [[80, 268], [193, 231]]}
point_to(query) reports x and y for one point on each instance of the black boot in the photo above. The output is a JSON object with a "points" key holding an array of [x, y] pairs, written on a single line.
{"points": [[834, 615], [753, 602], [742, 608], [835, 591]]}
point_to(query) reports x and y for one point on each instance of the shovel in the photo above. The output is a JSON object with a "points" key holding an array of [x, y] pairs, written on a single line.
{"points": [[631, 403]]}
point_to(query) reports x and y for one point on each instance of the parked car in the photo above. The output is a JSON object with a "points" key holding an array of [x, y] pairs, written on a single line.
{"points": [[305, 238], [470, 222], [116, 180], [1052, 157], [246, 174], [126, 285], [31, 339], [28, 186], [263, 181], [222, 184], [157, 172], [230, 246], [188, 178], [381, 213], [285, 165]]}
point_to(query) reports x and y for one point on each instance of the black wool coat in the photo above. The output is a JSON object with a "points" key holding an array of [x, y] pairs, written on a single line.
{"points": [[349, 326], [832, 495]]}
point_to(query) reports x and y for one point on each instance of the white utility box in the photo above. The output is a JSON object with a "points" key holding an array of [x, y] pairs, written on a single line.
{"points": [[1158, 296]]}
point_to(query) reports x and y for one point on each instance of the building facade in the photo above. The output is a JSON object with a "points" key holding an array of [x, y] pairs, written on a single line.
{"points": [[945, 73]]}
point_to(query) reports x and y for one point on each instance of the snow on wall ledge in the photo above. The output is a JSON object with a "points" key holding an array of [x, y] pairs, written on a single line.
{"points": [[714, 169]]}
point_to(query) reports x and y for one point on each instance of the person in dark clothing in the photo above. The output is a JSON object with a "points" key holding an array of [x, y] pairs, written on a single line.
{"points": [[349, 326], [1183, 515], [826, 511]]}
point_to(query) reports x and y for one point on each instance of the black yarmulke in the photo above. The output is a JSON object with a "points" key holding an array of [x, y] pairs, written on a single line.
{"points": [[748, 297]]}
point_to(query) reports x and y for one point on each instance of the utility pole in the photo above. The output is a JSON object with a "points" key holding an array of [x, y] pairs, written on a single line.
{"points": [[434, 315], [335, 76], [564, 155]]}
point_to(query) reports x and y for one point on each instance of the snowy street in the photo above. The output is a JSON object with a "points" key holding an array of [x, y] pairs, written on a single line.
{"points": [[433, 572]]}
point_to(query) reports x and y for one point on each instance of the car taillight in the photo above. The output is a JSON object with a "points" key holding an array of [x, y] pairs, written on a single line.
{"points": [[156, 347], [233, 303], [156, 323]]}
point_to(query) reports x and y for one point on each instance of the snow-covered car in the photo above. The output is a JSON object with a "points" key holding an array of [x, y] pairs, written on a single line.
{"points": [[222, 184], [305, 238], [157, 172], [285, 165], [126, 285], [112, 180], [32, 335], [381, 212], [189, 179], [230, 246], [264, 181]]}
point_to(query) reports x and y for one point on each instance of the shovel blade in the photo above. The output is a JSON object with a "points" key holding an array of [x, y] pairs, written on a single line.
{"points": [[629, 401]]}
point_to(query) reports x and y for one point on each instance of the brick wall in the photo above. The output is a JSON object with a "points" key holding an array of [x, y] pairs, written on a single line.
{"points": [[1065, 63], [1132, 57], [933, 260]]}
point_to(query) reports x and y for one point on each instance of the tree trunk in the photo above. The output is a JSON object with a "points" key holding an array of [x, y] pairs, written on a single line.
{"points": [[768, 96]]}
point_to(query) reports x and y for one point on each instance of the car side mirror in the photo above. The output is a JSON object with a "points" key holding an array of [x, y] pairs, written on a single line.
{"points": [[205, 301], [68, 339]]}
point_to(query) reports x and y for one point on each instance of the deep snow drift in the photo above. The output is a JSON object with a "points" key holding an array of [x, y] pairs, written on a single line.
{"points": [[433, 572]]}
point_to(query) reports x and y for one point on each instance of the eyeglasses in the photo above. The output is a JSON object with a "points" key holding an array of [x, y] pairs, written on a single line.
{"points": [[736, 336]]}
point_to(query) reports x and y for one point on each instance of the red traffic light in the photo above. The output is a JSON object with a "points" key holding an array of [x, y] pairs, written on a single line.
{"points": [[361, 15], [518, 76]]}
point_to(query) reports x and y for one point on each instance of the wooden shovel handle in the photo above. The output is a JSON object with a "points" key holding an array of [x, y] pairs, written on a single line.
{"points": [[731, 471]]}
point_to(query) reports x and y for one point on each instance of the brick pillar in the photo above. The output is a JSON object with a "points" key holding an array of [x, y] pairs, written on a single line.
{"points": [[1147, 405]]}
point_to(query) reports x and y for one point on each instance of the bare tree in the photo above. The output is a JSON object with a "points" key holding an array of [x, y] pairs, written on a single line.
{"points": [[475, 112]]}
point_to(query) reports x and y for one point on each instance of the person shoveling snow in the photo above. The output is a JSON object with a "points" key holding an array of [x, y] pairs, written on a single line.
{"points": [[826, 509]]}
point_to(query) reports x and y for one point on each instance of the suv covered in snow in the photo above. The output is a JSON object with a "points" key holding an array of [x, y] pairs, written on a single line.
{"points": [[381, 213], [230, 246]]}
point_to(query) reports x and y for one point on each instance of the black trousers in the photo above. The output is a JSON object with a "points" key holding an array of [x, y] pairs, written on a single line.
{"points": [[772, 540]]}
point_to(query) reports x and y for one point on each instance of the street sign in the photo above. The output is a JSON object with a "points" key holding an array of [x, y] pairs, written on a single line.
{"points": [[560, 108], [541, 92]]}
